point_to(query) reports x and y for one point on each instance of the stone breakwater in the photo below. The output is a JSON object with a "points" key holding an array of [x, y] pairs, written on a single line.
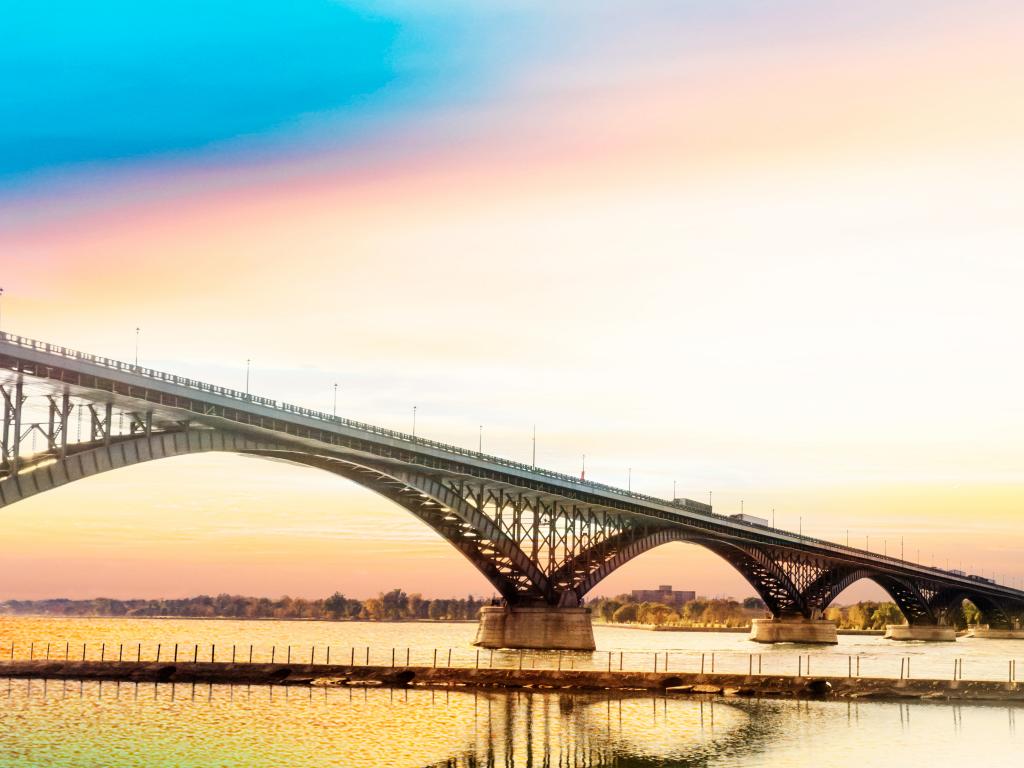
{"points": [[845, 688]]}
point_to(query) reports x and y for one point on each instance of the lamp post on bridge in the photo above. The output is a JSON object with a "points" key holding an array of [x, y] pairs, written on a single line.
{"points": [[248, 364], [335, 411], [137, 346], [534, 455], [414, 421], [1, 309], [629, 480], [480, 440]]}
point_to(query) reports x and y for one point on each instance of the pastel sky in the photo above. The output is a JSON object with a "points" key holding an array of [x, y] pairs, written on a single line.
{"points": [[771, 251]]}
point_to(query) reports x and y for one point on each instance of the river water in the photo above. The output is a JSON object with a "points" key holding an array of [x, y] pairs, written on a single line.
{"points": [[59, 723]]}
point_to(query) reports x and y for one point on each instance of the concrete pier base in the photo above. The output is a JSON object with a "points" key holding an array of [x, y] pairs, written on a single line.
{"points": [[538, 627], [926, 632], [793, 630], [988, 633]]}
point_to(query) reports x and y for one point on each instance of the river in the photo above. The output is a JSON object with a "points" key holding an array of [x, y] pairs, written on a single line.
{"points": [[73, 724]]}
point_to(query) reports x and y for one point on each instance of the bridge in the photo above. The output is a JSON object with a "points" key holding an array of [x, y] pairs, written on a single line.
{"points": [[543, 539]]}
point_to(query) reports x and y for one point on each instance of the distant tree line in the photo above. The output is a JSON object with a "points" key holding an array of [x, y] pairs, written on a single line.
{"points": [[395, 605], [702, 612]]}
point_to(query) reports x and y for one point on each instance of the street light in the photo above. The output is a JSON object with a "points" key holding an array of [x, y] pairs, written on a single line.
{"points": [[137, 347], [335, 411], [480, 440], [414, 421], [1, 309], [629, 480], [534, 459], [248, 363]]}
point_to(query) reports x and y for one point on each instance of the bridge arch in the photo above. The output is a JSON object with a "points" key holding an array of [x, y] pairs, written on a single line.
{"points": [[761, 571], [487, 547], [912, 603]]}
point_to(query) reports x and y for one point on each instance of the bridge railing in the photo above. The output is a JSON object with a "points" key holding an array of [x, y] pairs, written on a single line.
{"points": [[331, 419]]}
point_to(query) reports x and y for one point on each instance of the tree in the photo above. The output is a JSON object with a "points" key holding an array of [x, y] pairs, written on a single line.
{"points": [[625, 614]]}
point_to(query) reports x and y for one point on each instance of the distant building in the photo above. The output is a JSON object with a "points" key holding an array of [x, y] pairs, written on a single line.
{"points": [[665, 595]]}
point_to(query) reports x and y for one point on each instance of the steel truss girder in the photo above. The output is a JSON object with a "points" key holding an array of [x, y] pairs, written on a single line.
{"points": [[948, 604], [10, 438], [758, 566]]}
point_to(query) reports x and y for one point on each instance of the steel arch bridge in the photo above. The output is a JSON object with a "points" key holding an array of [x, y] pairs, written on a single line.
{"points": [[539, 537]]}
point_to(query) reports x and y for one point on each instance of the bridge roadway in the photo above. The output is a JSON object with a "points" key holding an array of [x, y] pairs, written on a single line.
{"points": [[543, 539]]}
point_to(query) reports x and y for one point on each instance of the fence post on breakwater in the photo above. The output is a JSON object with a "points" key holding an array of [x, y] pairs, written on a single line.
{"points": [[213, 653], [490, 662], [712, 663], [67, 649], [273, 652], [434, 662], [158, 645], [83, 651], [521, 658], [800, 665], [352, 659], [47, 651], [31, 651], [175, 653], [609, 661], [195, 654], [367, 655], [120, 651], [478, 659], [103, 652], [858, 665], [250, 653], [288, 656], [620, 661], [902, 662], [138, 652], [407, 657], [702, 663], [449, 658], [392, 657], [328, 655], [312, 654], [655, 662]]}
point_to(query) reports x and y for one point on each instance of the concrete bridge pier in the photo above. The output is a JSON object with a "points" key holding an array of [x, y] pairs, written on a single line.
{"points": [[933, 633], [793, 629], [542, 627]]}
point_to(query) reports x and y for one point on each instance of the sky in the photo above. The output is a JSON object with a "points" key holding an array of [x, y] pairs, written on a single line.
{"points": [[766, 252]]}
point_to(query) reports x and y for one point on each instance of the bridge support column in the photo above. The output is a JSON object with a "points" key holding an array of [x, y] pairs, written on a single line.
{"points": [[538, 627], [793, 629], [932, 633], [994, 633]]}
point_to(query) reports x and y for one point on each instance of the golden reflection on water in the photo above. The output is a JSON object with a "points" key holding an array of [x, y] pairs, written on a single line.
{"points": [[122, 725], [67, 723]]}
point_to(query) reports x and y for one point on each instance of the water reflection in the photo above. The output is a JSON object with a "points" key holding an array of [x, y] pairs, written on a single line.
{"points": [[71, 723]]}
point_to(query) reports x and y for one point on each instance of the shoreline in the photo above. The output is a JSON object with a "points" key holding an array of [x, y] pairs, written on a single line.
{"points": [[728, 630], [675, 684]]}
